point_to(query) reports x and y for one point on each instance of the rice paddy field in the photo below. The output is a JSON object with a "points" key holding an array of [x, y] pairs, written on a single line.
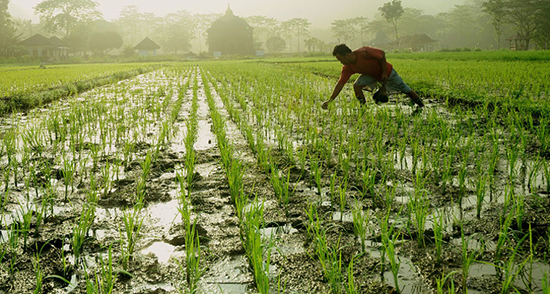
{"points": [[228, 177]]}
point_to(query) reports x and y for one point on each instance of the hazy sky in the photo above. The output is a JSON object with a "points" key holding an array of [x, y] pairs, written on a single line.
{"points": [[319, 12]]}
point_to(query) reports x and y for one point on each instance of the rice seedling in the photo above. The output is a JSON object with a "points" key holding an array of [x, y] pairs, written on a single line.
{"points": [[330, 258], [546, 169], [255, 249], [105, 280], [462, 175], [192, 269], [141, 187], [23, 223], [468, 258], [360, 223], [505, 223], [545, 284], [11, 150], [133, 221], [316, 169], [533, 173], [190, 166], [480, 193], [193, 257], [351, 288], [69, 169], [313, 226], [440, 283], [519, 206], [419, 209], [510, 270], [527, 274], [342, 196], [512, 154], [438, 229], [81, 230], [368, 177], [38, 275], [389, 239]]}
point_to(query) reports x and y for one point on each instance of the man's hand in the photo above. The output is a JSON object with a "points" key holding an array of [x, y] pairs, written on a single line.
{"points": [[325, 104]]}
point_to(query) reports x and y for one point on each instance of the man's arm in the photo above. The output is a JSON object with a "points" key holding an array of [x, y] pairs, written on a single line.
{"points": [[337, 89]]}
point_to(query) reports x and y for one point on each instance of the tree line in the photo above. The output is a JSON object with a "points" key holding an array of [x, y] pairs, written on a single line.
{"points": [[476, 24], [483, 24]]}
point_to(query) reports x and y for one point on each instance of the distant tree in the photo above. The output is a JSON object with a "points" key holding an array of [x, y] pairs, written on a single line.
{"points": [[264, 27], [361, 24], [392, 12], [135, 25], [348, 30], [343, 30], [314, 44], [78, 40], [462, 26], [415, 21], [296, 27], [103, 42], [495, 9], [128, 51], [66, 14], [129, 22], [275, 44], [380, 28], [8, 38], [202, 22], [101, 25], [523, 14], [175, 31], [542, 26]]}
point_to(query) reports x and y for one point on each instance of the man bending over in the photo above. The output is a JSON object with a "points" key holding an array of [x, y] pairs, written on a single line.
{"points": [[372, 65]]}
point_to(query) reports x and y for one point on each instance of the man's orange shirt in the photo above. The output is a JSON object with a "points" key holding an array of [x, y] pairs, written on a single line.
{"points": [[367, 63]]}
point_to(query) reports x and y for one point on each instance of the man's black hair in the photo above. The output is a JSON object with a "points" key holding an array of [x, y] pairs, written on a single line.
{"points": [[341, 49]]}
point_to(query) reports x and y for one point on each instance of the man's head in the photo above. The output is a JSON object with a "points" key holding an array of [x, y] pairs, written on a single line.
{"points": [[343, 54]]}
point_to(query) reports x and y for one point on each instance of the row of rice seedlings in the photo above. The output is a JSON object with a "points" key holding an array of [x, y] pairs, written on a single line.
{"points": [[250, 216], [193, 270], [191, 138]]}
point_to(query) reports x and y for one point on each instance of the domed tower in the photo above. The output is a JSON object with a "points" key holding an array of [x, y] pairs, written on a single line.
{"points": [[230, 35]]}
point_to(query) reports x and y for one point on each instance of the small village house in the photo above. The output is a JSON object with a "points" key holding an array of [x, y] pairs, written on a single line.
{"points": [[45, 48], [147, 47]]}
